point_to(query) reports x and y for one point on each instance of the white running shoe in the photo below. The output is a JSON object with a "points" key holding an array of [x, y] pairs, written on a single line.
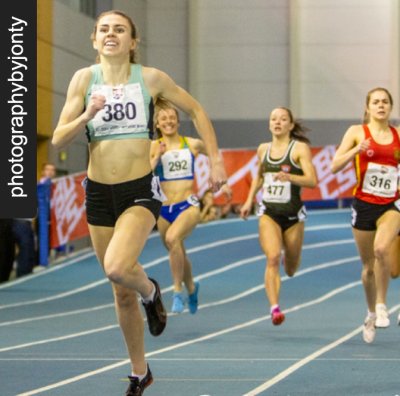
{"points": [[369, 329], [382, 316]]}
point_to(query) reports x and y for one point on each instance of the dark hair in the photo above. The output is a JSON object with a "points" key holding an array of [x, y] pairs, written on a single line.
{"points": [[298, 132], [162, 104], [368, 99], [132, 55]]}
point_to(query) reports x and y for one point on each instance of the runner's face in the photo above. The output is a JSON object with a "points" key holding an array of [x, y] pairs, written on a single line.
{"points": [[379, 106], [279, 122], [113, 36], [167, 122]]}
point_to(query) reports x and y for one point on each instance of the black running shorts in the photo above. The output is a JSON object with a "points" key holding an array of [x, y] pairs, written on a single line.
{"points": [[106, 202], [364, 215]]}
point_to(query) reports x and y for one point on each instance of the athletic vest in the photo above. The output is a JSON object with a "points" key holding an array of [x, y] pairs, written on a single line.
{"points": [[283, 197], [128, 112], [176, 164], [377, 170]]}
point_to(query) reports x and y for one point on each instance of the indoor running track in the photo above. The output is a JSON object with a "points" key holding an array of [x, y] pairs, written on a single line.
{"points": [[59, 335]]}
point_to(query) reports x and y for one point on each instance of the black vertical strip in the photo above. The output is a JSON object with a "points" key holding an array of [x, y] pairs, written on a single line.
{"points": [[18, 110]]}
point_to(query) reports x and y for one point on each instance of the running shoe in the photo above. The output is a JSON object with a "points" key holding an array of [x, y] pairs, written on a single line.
{"points": [[136, 387], [177, 302], [155, 312], [369, 330], [382, 316], [398, 320], [277, 317], [193, 299]]}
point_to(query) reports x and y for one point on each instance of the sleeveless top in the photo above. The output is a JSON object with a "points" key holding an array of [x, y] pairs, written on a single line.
{"points": [[128, 112], [377, 170], [177, 164], [283, 197]]}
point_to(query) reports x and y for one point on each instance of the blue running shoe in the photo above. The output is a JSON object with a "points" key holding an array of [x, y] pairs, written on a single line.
{"points": [[193, 298], [177, 302]]}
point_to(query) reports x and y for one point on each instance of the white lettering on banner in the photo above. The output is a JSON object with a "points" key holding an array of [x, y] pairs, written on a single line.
{"points": [[343, 180], [67, 212], [251, 166], [202, 172]]}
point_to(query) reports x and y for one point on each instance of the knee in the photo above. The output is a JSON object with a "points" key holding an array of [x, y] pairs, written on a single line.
{"points": [[115, 275], [172, 241], [380, 251], [274, 261], [115, 270], [368, 272]]}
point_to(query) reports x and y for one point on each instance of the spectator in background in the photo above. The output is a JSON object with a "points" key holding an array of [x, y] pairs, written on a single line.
{"points": [[285, 166], [7, 249], [24, 236], [48, 172], [214, 213], [42, 226], [374, 146], [229, 210], [206, 203]]}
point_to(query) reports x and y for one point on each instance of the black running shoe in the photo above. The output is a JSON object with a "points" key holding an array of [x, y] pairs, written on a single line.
{"points": [[137, 387], [156, 313]]}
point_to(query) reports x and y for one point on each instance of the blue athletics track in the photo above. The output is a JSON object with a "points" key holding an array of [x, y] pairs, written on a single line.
{"points": [[59, 335]]}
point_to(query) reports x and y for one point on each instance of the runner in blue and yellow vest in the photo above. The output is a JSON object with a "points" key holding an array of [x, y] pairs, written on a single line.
{"points": [[172, 158]]}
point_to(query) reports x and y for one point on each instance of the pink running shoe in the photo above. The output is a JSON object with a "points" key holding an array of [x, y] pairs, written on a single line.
{"points": [[277, 317]]}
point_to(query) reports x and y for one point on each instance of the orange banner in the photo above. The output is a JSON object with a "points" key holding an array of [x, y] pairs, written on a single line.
{"points": [[68, 219]]}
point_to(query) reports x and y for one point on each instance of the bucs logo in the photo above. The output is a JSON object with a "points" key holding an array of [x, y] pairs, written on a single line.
{"points": [[285, 168], [118, 92], [384, 169], [370, 153]]}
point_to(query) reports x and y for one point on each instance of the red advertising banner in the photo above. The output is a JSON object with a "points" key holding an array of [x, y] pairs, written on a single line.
{"points": [[241, 166], [330, 186], [67, 210], [68, 219]]}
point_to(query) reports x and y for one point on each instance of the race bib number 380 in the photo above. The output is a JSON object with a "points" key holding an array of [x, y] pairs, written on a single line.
{"points": [[123, 112]]}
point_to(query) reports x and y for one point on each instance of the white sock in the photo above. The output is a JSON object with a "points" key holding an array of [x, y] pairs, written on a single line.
{"points": [[139, 377], [380, 305], [150, 297], [371, 314]]}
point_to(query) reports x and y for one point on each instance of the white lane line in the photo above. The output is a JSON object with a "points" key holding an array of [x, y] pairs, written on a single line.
{"points": [[190, 342], [62, 338], [165, 258], [58, 315], [56, 296], [155, 234], [290, 370], [199, 277], [46, 271], [202, 306]]}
